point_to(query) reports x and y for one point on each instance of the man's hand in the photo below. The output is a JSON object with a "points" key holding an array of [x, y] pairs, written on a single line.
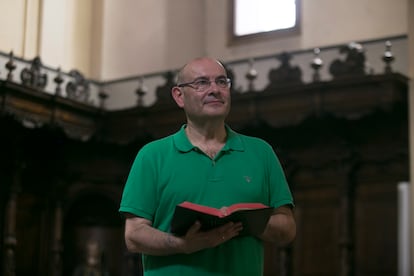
{"points": [[195, 239], [141, 237]]}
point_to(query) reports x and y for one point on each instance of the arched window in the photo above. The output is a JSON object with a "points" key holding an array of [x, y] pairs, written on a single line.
{"points": [[263, 18]]}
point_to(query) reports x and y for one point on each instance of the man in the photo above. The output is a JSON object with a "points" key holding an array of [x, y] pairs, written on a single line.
{"points": [[206, 163]]}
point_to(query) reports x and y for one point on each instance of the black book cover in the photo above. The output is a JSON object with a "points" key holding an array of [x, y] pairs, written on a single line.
{"points": [[254, 217]]}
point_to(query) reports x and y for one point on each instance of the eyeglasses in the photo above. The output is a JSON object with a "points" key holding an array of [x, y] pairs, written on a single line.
{"points": [[201, 85]]}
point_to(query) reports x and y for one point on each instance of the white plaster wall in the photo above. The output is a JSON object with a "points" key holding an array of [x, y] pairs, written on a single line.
{"points": [[54, 38], [324, 23], [333, 22], [65, 34], [19, 20], [11, 38], [150, 35], [97, 19], [109, 40]]}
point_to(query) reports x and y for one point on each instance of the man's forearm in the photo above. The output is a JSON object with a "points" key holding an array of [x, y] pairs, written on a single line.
{"points": [[148, 240], [281, 228]]}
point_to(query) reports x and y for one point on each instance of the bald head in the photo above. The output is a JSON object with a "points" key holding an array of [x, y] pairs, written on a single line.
{"points": [[188, 69]]}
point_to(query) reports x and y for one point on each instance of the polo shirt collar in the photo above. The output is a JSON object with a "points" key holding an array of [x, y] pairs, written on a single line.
{"points": [[183, 144]]}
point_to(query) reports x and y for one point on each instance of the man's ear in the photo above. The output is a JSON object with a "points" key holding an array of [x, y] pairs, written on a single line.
{"points": [[177, 95]]}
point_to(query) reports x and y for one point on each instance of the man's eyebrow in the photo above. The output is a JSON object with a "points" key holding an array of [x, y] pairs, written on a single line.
{"points": [[207, 78], [201, 78]]}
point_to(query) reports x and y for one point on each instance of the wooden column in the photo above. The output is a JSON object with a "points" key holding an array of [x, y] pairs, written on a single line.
{"points": [[410, 12], [346, 224], [10, 240], [57, 247], [284, 264]]}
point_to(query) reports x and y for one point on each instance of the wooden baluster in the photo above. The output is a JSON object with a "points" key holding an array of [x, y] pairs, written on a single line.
{"points": [[251, 75], [388, 57], [141, 91], [10, 65], [58, 80], [316, 65]]}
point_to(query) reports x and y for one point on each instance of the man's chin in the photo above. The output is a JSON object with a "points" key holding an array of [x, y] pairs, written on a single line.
{"points": [[217, 114]]}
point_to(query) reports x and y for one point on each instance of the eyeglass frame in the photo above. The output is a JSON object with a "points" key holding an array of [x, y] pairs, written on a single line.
{"points": [[191, 83]]}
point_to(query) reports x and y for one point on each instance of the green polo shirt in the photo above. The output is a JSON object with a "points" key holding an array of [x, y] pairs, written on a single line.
{"points": [[171, 170]]}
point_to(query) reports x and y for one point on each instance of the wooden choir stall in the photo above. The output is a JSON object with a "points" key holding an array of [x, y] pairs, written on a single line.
{"points": [[343, 144]]}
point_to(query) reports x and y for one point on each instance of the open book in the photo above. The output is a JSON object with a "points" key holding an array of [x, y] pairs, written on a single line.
{"points": [[254, 217]]}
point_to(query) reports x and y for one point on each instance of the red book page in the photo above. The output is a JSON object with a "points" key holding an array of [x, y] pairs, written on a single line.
{"points": [[244, 206], [217, 212], [202, 208]]}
